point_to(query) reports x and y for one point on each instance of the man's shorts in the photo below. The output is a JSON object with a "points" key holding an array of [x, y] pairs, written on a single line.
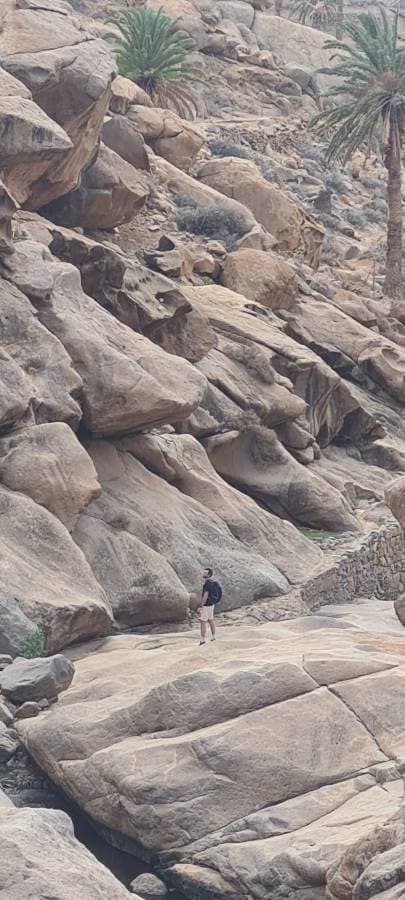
{"points": [[207, 613]]}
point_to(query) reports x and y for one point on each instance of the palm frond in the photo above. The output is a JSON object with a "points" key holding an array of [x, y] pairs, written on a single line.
{"points": [[368, 68], [153, 51]]}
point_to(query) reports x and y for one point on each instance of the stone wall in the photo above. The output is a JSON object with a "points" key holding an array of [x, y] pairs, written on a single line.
{"points": [[374, 566]]}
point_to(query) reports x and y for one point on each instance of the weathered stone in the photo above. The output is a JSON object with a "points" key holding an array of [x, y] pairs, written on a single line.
{"points": [[14, 625], [261, 277], [8, 207], [6, 717], [241, 180], [120, 135], [63, 479], [69, 76], [149, 887], [8, 744], [34, 679], [171, 137], [142, 384], [28, 710], [44, 859], [125, 93], [110, 193]]}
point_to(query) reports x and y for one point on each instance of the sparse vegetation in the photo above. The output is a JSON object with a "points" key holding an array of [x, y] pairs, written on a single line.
{"points": [[154, 53], [369, 75], [336, 183], [229, 148], [355, 217], [318, 13], [33, 645], [215, 220]]}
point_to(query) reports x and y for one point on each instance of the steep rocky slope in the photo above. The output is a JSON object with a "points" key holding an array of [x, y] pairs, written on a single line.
{"points": [[198, 366]]}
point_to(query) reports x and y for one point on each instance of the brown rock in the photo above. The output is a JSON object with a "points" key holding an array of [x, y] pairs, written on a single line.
{"points": [[37, 381], [125, 93], [241, 180], [120, 135], [63, 478], [146, 542], [128, 382], [169, 136], [46, 572], [261, 277], [8, 207], [31, 145], [111, 192], [44, 859], [69, 76]]}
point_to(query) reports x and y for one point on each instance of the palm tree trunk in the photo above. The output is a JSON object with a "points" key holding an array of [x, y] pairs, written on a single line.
{"points": [[393, 266], [339, 19]]}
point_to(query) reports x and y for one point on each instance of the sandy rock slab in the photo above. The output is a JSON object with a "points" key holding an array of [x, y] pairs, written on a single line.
{"points": [[42, 858], [246, 768]]}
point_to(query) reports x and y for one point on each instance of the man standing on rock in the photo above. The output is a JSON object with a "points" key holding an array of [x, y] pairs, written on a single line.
{"points": [[211, 595]]}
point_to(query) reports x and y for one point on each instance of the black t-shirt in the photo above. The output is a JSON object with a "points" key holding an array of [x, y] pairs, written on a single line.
{"points": [[207, 588]]}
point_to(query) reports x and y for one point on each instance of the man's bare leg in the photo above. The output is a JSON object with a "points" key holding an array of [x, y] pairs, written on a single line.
{"points": [[212, 627], [203, 629]]}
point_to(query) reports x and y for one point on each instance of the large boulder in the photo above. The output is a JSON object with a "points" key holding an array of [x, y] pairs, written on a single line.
{"points": [[68, 74], [44, 570], [241, 180], [128, 382], [32, 146], [36, 679], [120, 135], [63, 478], [148, 543], [235, 808], [262, 277], [42, 858], [110, 193], [293, 43], [37, 381], [181, 460], [15, 626], [169, 136]]}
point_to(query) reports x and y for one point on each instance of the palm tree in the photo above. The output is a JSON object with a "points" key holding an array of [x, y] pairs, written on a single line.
{"points": [[155, 53], [369, 72], [318, 13], [339, 19]]}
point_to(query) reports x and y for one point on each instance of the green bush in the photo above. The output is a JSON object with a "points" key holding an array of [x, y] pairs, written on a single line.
{"points": [[217, 221], [33, 645], [154, 53]]}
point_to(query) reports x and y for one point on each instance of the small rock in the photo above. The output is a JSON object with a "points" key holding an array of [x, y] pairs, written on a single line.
{"points": [[154, 227], [8, 745], [6, 717], [204, 264], [216, 248], [149, 887], [28, 710], [34, 679], [45, 704], [5, 660]]}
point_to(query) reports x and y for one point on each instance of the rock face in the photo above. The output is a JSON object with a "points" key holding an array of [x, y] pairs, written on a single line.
{"points": [[111, 192], [36, 679], [169, 135], [261, 277], [68, 75], [255, 816], [271, 207], [44, 859]]}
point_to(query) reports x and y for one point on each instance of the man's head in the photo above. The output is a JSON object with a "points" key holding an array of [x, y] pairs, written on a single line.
{"points": [[207, 573]]}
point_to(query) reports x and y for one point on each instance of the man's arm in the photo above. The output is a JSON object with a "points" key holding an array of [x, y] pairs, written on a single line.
{"points": [[204, 598]]}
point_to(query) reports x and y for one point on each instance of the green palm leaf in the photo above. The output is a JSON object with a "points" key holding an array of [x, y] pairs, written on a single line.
{"points": [[153, 51], [368, 69]]}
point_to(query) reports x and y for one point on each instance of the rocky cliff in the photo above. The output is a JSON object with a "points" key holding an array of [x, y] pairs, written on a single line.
{"points": [[198, 366]]}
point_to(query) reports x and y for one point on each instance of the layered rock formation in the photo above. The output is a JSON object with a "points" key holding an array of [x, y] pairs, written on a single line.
{"points": [[223, 387], [281, 748]]}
